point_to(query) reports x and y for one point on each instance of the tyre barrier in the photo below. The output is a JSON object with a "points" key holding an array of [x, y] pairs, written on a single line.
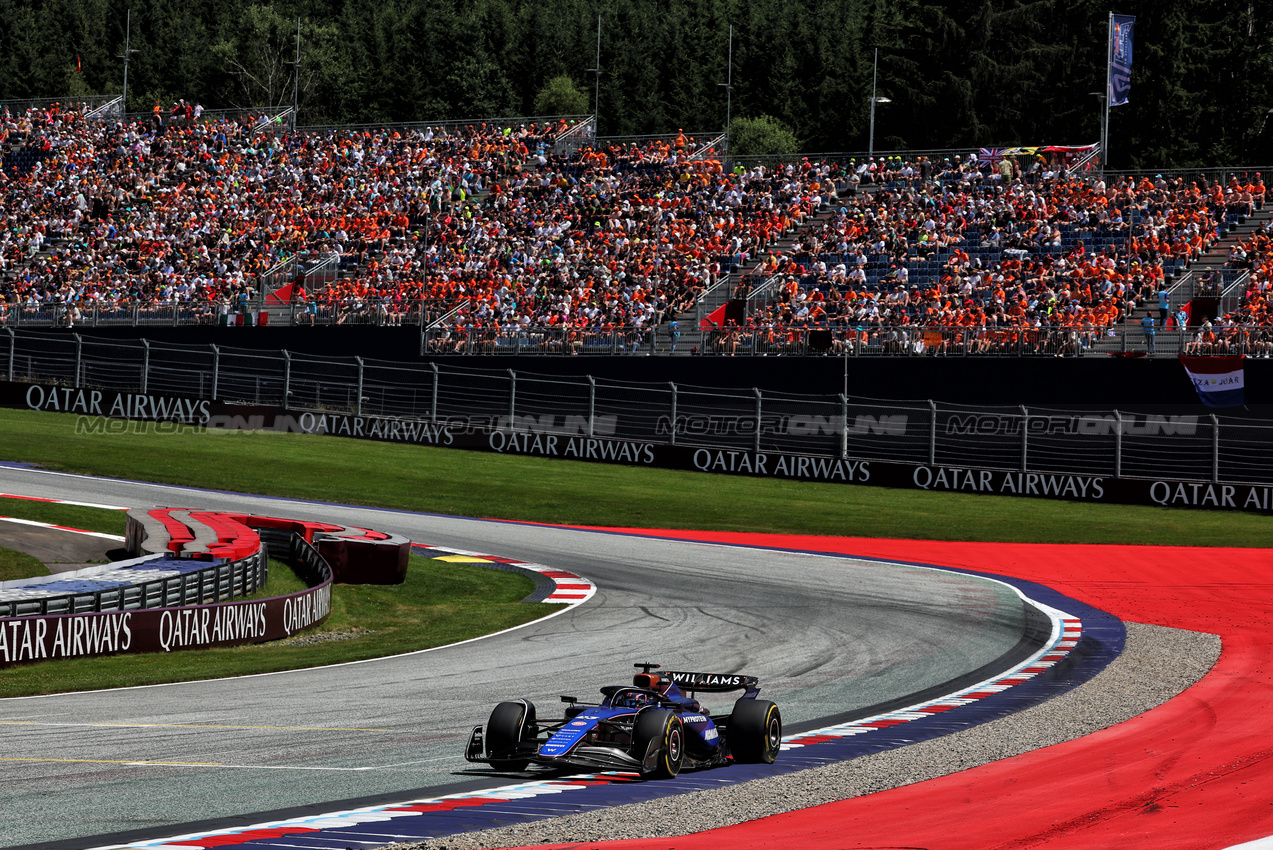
{"points": [[180, 590]]}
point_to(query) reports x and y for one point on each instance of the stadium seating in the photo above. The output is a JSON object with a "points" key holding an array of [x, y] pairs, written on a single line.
{"points": [[481, 229]]}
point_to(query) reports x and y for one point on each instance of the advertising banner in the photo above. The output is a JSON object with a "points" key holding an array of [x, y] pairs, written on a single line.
{"points": [[45, 638], [1000, 475]]}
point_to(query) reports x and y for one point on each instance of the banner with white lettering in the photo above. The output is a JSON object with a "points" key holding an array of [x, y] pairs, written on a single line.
{"points": [[885, 447], [44, 638]]}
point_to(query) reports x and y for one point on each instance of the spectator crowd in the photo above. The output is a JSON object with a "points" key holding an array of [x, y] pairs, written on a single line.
{"points": [[483, 229]]}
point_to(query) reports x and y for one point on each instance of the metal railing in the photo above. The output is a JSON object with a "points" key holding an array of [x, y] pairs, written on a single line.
{"points": [[86, 102], [576, 136], [1210, 174], [446, 125], [938, 155], [1113, 443], [221, 582], [259, 117], [111, 109], [1234, 293], [873, 341], [711, 147]]}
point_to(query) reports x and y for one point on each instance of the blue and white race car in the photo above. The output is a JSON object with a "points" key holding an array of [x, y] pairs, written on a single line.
{"points": [[654, 727]]}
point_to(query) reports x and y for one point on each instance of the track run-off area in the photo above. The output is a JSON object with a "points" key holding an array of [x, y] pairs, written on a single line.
{"points": [[828, 634]]}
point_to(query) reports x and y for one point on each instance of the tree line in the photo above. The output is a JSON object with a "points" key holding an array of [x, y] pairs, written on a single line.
{"points": [[957, 74]]}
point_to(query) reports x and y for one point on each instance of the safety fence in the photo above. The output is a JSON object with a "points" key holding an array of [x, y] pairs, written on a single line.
{"points": [[460, 400], [170, 625], [439, 337], [873, 341], [220, 582]]}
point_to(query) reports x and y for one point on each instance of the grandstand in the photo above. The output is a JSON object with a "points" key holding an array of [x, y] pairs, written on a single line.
{"points": [[531, 235]]}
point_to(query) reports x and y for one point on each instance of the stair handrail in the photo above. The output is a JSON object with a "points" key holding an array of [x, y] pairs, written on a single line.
{"points": [[705, 149]]}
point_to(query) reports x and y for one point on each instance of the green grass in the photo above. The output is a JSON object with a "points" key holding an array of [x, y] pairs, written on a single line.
{"points": [[281, 581], [491, 485], [438, 604], [441, 604], [15, 565], [73, 516]]}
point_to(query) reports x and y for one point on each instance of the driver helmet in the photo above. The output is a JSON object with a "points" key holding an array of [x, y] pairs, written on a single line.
{"points": [[633, 699]]}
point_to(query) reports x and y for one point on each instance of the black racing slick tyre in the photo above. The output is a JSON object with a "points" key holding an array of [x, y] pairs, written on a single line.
{"points": [[755, 731], [511, 723], [665, 730]]}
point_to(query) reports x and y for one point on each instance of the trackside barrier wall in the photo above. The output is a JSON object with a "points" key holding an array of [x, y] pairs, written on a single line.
{"points": [[41, 638], [1102, 456], [222, 580]]}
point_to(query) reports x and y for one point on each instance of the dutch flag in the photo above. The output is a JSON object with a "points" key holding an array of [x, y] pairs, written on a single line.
{"points": [[1218, 380]]}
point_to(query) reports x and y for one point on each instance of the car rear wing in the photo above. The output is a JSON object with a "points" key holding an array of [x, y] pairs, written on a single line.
{"points": [[713, 682]]}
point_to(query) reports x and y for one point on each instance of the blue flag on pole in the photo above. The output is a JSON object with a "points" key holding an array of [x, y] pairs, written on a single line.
{"points": [[1120, 58]]}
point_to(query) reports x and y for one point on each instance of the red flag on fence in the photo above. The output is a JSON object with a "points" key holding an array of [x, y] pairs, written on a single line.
{"points": [[714, 319]]}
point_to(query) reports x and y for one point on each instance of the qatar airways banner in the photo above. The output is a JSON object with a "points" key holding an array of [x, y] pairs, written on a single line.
{"points": [[568, 444], [45, 638]]}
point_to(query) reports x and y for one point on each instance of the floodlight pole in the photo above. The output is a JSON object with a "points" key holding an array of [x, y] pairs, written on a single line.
{"points": [[729, 92], [128, 52], [596, 86], [296, 79], [1108, 96], [875, 74]]}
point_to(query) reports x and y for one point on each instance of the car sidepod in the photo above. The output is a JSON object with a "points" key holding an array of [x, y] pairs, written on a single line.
{"points": [[702, 738]]}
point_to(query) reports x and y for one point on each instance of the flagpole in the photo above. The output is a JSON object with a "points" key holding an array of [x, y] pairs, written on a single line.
{"points": [[1109, 94]]}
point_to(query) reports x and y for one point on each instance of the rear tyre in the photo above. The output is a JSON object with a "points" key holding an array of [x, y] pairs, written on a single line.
{"points": [[511, 723], [665, 730], [754, 732]]}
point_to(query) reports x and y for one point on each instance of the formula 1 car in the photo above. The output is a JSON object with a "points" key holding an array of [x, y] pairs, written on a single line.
{"points": [[655, 727]]}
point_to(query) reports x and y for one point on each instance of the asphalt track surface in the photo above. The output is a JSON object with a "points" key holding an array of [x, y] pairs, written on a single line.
{"points": [[826, 636], [1195, 773]]}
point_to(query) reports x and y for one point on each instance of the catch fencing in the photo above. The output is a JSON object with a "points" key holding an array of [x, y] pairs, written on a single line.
{"points": [[1111, 443], [437, 337]]}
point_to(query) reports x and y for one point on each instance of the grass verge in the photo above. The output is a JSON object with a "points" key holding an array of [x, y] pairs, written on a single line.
{"points": [[438, 604], [15, 565], [72, 516], [527, 488]]}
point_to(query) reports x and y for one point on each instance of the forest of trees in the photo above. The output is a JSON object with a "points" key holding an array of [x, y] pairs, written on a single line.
{"points": [[961, 73]]}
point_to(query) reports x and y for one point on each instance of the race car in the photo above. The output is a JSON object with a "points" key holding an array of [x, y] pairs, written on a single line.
{"points": [[655, 727]]}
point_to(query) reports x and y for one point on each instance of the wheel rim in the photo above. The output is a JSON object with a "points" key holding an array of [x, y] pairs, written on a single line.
{"points": [[775, 732], [674, 744]]}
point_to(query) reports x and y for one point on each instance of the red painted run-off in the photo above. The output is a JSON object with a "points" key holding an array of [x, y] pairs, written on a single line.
{"points": [[1194, 773]]}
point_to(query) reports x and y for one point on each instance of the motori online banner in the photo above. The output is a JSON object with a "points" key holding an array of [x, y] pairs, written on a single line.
{"points": [[106, 411]]}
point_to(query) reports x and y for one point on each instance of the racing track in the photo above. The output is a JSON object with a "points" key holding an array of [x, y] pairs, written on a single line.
{"points": [[146, 760]]}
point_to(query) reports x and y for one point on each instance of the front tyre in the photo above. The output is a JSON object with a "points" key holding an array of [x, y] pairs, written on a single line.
{"points": [[755, 731], [663, 730], [511, 724]]}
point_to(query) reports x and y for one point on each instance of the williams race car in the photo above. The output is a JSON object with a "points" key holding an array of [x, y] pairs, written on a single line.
{"points": [[654, 727]]}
